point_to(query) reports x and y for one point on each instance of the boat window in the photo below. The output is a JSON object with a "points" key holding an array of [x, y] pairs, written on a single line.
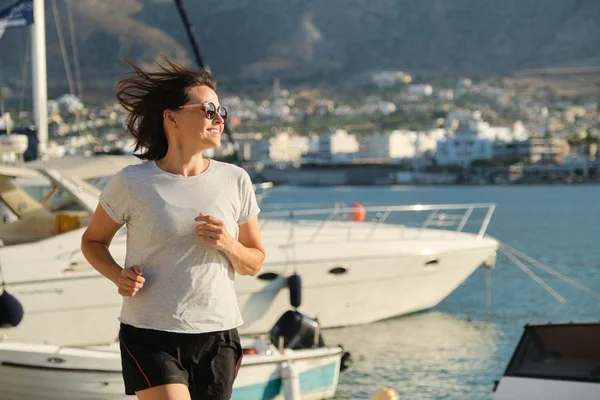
{"points": [[58, 201], [566, 352], [37, 192], [6, 214], [63, 201]]}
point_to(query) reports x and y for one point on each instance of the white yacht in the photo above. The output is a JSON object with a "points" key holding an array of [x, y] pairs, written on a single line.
{"points": [[342, 265]]}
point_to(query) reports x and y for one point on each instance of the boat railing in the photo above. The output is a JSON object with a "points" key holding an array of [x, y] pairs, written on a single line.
{"points": [[262, 190], [469, 218]]}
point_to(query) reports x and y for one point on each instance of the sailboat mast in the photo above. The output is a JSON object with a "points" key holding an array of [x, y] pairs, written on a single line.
{"points": [[189, 30], [40, 86]]}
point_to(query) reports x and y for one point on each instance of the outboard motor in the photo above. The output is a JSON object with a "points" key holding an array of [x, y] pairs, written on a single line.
{"points": [[297, 330]]}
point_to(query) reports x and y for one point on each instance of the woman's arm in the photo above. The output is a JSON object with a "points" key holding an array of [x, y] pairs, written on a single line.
{"points": [[94, 246], [245, 254]]}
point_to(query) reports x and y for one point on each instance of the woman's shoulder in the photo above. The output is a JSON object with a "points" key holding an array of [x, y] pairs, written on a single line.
{"points": [[232, 169], [134, 172]]}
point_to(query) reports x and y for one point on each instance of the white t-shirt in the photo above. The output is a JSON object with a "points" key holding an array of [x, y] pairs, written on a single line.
{"points": [[189, 285]]}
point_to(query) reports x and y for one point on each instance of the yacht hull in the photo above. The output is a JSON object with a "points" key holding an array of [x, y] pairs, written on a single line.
{"points": [[343, 283]]}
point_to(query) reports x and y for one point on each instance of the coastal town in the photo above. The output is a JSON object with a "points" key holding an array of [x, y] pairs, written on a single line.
{"points": [[383, 128]]}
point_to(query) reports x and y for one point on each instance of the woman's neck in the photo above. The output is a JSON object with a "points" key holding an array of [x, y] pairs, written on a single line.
{"points": [[179, 162]]}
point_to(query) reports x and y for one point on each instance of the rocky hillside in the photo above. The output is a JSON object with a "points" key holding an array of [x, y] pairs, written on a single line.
{"points": [[315, 39]]}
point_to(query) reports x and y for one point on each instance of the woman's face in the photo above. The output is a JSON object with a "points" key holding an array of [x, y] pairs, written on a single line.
{"points": [[192, 126]]}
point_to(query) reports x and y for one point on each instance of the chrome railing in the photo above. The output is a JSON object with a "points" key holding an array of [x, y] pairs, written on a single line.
{"points": [[470, 218]]}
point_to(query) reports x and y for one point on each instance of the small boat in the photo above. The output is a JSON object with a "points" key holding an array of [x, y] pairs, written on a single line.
{"points": [[300, 366], [554, 362]]}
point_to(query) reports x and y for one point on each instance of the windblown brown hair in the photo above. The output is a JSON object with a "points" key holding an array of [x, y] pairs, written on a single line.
{"points": [[146, 95]]}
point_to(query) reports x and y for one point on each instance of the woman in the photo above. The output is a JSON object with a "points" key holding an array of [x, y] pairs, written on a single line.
{"points": [[192, 224]]}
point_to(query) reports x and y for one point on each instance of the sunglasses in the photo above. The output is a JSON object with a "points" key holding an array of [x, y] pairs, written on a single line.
{"points": [[210, 110]]}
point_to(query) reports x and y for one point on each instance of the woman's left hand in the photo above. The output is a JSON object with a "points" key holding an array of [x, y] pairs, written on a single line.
{"points": [[212, 231]]}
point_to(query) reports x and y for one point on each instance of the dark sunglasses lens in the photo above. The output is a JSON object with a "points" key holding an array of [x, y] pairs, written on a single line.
{"points": [[223, 112], [209, 109]]}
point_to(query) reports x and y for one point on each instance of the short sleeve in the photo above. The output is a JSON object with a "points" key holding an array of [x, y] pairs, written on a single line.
{"points": [[115, 198], [248, 203]]}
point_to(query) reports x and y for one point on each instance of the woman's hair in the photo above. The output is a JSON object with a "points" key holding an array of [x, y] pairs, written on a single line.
{"points": [[146, 95]]}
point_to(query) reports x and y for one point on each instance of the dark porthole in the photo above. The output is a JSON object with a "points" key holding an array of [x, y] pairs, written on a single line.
{"points": [[338, 270], [268, 276]]}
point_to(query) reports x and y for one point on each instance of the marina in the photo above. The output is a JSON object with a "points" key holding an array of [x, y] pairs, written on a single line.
{"points": [[459, 348], [419, 246], [375, 281]]}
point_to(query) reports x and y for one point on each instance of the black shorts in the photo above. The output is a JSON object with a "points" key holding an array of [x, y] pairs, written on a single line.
{"points": [[207, 363]]}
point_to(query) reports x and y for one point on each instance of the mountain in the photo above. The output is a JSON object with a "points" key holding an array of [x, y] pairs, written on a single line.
{"points": [[318, 39]]}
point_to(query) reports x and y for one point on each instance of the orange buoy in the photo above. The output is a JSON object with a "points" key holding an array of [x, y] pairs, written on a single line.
{"points": [[358, 212]]}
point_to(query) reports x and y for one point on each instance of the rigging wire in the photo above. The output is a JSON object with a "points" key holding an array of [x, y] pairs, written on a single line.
{"points": [[551, 271], [24, 71], [62, 46], [74, 50]]}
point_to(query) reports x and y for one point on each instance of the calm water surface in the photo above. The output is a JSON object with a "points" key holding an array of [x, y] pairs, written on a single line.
{"points": [[458, 349]]}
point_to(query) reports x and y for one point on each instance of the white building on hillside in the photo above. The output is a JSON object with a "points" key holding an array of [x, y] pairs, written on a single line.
{"points": [[286, 147], [469, 138], [420, 90], [463, 143], [400, 144], [336, 146]]}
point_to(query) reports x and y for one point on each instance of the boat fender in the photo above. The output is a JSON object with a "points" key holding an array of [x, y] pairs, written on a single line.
{"points": [[11, 310], [490, 261], [295, 285]]}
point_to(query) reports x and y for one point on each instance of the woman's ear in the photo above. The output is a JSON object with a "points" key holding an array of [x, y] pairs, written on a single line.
{"points": [[170, 117]]}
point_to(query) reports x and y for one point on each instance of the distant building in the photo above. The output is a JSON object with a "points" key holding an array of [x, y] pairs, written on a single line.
{"points": [[463, 149], [445, 94], [534, 150], [399, 144], [389, 78], [420, 90], [343, 111], [286, 147], [465, 141], [336, 146], [574, 112]]}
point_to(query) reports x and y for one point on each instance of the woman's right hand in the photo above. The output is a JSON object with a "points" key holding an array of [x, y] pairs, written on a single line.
{"points": [[130, 281]]}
